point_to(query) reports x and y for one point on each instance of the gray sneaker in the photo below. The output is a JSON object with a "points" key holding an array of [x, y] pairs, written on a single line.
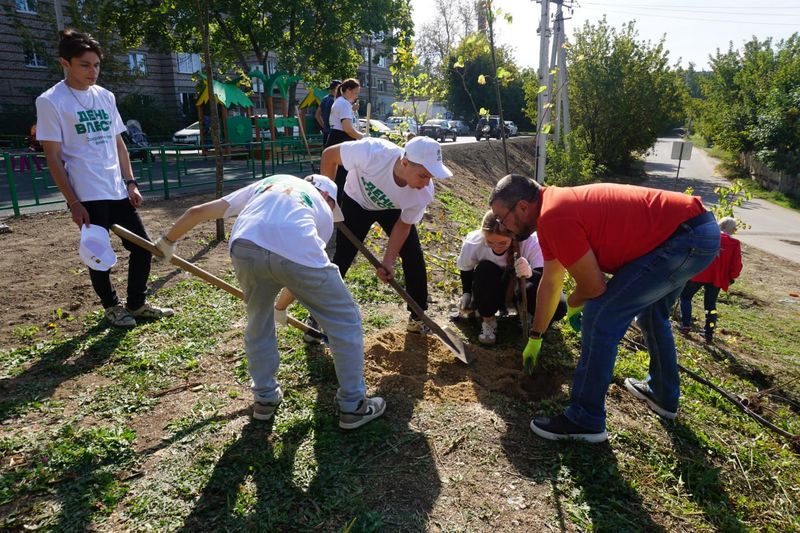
{"points": [[151, 312], [368, 409], [416, 325], [119, 317], [266, 410], [641, 390]]}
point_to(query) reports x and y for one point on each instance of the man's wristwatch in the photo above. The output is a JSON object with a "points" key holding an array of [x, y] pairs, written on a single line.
{"points": [[129, 182], [535, 334]]}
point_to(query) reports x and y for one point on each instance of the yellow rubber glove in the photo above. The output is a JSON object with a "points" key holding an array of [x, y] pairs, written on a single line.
{"points": [[530, 355], [574, 316]]}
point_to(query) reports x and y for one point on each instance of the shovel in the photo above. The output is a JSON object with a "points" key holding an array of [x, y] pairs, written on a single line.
{"points": [[205, 276], [523, 310], [446, 335]]}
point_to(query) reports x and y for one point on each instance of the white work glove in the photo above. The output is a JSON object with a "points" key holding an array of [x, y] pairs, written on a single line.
{"points": [[281, 317], [522, 268], [465, 305], [166, 247]]}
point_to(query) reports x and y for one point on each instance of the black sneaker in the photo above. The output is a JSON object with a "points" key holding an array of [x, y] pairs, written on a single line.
{"points": [[642, 391], [562, 428], [311, 338]]}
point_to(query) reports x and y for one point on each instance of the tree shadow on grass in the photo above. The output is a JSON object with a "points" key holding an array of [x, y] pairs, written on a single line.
{"points": [[51, 369], [301, 471], [701, 477]]}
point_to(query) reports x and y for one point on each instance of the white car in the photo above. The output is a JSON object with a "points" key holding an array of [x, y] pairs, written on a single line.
{"points": [[378, 127], [411, 124], [513, 130], [188, 135]]}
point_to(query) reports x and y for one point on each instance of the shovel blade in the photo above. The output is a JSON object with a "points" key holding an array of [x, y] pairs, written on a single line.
{"points": [[457, 346]]}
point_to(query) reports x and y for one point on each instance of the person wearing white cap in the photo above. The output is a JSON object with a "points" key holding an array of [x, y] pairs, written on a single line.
{"points": [[80, 130], [392, 186], [278, 240]]}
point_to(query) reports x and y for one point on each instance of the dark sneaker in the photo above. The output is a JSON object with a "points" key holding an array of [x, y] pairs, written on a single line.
{"points": [[311, 338], [120, 317], [642, 391], [684, 330], [368, 409], [562, 428]]}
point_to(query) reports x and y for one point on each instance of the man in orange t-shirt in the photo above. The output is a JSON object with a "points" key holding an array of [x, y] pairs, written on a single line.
{"points": [[650, 241]]}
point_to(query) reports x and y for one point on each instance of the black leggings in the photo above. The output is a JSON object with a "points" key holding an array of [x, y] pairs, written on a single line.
{"points": [[359, 221], [105, 213], [338, 137], [489, 290]]}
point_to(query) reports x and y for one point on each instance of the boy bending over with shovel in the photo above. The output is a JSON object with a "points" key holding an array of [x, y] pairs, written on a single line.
{"points": [[278, 240], [392, 186]]}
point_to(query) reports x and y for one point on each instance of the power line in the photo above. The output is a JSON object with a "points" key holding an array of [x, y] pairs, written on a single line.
{"points": [[722, 8], [698, 10], [699, 19]]}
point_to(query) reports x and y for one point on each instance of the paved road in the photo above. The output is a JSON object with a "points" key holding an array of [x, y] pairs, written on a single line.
{"points": [[773, 229]]}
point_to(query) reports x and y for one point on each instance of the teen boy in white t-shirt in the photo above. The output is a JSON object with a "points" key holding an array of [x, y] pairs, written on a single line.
{"points": [[278, 241], [392, 186], [80, 129]]}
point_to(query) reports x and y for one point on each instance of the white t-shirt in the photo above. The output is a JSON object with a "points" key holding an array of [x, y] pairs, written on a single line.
{"points": [[370, 179], [474, 250], [341, 109], [285, 215], [86, 123]]}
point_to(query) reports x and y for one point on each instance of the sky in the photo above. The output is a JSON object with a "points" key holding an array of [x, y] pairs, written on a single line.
{"points": [[693, 29]]}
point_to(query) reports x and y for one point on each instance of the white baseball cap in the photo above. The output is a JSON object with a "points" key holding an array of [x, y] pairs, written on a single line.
{"points": [[325, 184], [427, 152], [95, 249]]}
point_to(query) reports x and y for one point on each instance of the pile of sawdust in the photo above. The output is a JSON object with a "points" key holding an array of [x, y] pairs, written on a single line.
{"points": [[422, 367]]}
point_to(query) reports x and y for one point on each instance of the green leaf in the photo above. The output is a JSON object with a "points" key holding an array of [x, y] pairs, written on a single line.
{"points": [[481, 79], [542, 88], [546, 128]]}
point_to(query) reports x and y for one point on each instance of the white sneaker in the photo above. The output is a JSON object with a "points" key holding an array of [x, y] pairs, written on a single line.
{"points": [[488, 331], [417, 326]]}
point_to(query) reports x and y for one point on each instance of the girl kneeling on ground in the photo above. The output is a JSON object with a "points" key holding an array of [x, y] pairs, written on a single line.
{"points": [[489, 273]]}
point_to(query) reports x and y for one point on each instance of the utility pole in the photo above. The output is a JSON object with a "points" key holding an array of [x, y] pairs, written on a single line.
{"points": [[543, 98], [369, 70]]}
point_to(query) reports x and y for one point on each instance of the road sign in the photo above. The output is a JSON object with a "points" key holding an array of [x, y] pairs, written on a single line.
{"points": [[681, 150]]}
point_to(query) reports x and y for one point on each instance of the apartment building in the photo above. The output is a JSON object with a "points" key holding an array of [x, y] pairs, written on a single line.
{"points": [[29, 65]]}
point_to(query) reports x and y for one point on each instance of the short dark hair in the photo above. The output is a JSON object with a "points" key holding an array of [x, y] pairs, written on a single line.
{"points": [[74, 44], [513, 188]]}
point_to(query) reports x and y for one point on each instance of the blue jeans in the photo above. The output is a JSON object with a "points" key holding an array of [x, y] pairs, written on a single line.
{"points": [[646, 289], [710, 295], [262, 274]]}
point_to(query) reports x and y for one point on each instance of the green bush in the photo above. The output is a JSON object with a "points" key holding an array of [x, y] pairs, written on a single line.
{"points": [[570, 163]]}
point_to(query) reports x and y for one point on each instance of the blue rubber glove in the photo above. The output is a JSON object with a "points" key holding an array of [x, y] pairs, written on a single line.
{"points": [[574, 316], [530, 355]]}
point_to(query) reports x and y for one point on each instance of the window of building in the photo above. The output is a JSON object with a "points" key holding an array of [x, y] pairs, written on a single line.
{"points": [[382, 85], [137, 62], [256, 82], [34, 57], [26, 6], [188, 63], [188, 101], [382, 61], [272, 65]]}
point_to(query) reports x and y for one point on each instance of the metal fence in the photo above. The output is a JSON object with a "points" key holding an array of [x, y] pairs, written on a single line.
{"points": [[161, 170]]}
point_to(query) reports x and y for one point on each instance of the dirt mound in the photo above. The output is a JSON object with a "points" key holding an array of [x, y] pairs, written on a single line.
{"points": [[423, 367]]}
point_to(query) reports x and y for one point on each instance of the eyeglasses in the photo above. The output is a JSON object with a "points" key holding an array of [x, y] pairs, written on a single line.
{"points": [[501, 220]]}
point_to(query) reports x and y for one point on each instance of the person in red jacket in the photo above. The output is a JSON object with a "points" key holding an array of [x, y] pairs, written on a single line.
{"points": [[725, 268]]}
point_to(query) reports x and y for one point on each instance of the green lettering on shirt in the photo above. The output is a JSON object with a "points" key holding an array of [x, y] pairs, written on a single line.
{"points": [[375, 195]]}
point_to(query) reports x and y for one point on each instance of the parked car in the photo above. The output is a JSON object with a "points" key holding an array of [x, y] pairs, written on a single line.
{"points": [[410, 124], [462, 127], [188, 135], [488, 128], [439, 129], [513, 130]]}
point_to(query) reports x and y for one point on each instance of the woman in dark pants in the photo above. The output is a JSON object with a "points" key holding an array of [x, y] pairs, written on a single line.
{"points": [[489, 271], [342, 127]]}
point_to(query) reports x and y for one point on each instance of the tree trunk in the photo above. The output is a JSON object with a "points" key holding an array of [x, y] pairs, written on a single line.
{"points": [[213, 111]]}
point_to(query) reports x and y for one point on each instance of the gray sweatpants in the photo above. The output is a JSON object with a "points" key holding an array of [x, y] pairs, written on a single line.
{"points": [[261, 275]]}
